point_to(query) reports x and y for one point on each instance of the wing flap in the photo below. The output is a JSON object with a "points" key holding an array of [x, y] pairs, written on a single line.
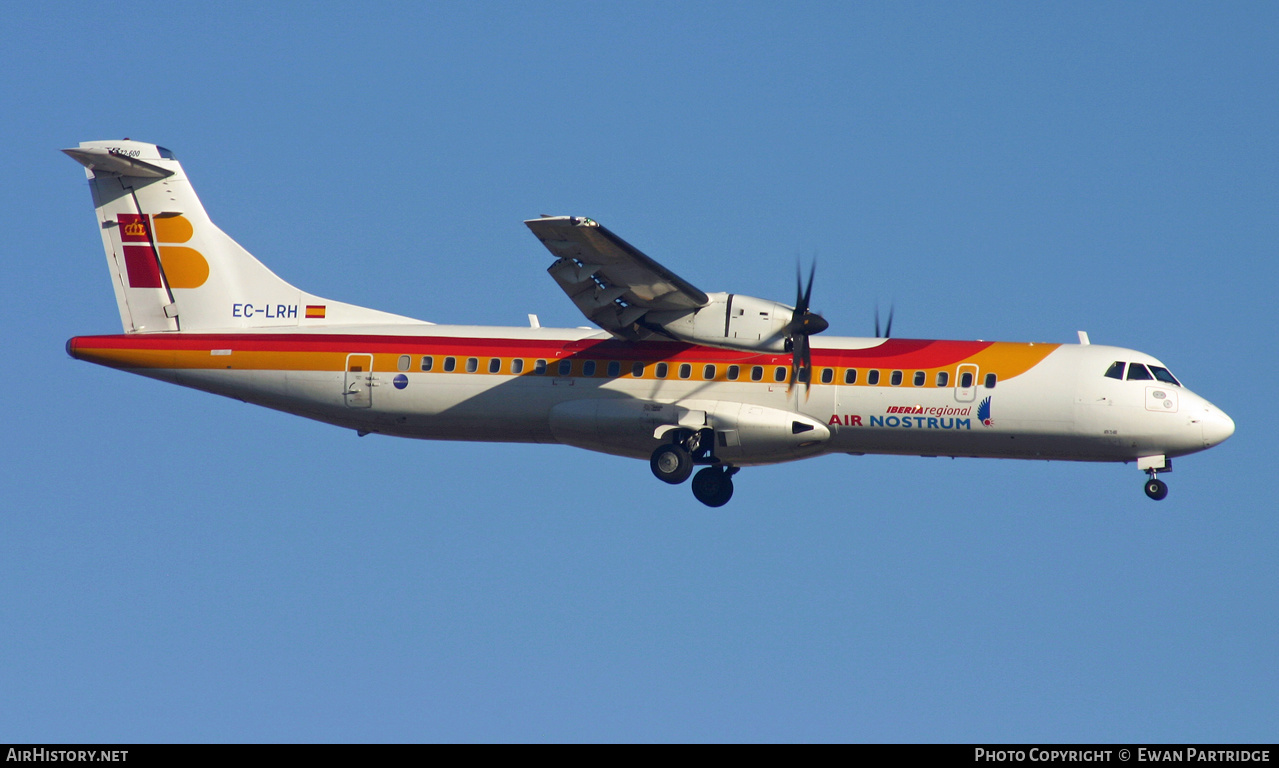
{"points": [[613, 283]]}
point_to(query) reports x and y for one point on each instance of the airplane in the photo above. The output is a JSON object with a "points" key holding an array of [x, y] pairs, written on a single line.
{"points": [[671, 374]]}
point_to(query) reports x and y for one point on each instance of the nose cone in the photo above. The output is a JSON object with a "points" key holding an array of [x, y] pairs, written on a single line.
{"points": [[1217, 426]]}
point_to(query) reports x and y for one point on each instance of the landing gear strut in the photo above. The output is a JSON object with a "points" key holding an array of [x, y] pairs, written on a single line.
{"points": [[673, 463], [1155, 488]]}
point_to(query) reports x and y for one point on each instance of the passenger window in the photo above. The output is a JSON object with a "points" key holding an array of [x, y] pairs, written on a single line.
{"points": [[965, 379], [1164, 375], [588, 368], [614, 369], [685, 370], [990, 381], [804, 374], [495, 365], [1138, 372], [779, 373], [708, 373], [920, 378], [733, 372], [517, 365], [566, 367], [472, 365], [895, 379], [428, 362], [757, 373], [850, 376], [1116, 371], [450, 364], [637, 370], [872, 377], [828, 375], [661, 371], [404, 362], [539, 367], [943, 378]]}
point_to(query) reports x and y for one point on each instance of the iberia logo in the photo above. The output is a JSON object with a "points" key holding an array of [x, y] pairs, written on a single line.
{"points": [[143, 237], [983, 413]]}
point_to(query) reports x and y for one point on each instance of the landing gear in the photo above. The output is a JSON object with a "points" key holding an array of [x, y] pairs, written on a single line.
{"points": [[673, 463], [1156, 489], [713, 486]]}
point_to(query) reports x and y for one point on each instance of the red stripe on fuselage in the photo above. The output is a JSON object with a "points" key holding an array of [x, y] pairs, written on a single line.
{"points": [[892, 353]]}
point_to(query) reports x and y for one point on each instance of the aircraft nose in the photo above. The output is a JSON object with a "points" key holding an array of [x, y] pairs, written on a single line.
{"points": [[1217, 426]]}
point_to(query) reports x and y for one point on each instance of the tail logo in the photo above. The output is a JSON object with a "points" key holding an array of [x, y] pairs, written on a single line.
{"points": [[183, 267]]}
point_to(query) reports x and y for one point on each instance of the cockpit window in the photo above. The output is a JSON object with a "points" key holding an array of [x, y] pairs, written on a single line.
{"points": [[1116, 371], [1163, 375], [1138, 372]]}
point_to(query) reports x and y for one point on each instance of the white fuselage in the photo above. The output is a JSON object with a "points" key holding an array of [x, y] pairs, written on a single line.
{"points": [[1054, 403]]}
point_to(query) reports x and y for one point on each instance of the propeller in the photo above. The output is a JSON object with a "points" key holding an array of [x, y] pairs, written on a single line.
{"points": [[888, 330], [803, 323]]}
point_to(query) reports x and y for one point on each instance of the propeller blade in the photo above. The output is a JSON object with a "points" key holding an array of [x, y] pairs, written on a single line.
{"points": [[804, 357], [888, 329], [807, 292], [801, 361], [802, 319], [803, 323]]}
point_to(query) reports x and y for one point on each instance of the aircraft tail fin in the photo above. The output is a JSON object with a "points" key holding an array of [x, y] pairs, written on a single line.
{"points": [[173, 269]]}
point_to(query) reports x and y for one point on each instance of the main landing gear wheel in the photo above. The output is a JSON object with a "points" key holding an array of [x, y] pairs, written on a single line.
{"points": [[671, 463], [1156, 489], [713, 486]]}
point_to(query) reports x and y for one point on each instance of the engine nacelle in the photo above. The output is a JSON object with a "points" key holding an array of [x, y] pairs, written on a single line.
{"points": [[730, 320], [744, 434], [756, 434]]}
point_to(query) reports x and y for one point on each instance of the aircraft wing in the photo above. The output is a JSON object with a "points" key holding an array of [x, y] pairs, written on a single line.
{"points": [[609, 280]]}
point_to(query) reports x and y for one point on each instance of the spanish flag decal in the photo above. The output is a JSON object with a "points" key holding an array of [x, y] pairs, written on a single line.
{"points": [[315, 310]]}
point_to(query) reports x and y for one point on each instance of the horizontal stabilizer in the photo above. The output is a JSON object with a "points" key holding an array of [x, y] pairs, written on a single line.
{"points": [[103, 160]]}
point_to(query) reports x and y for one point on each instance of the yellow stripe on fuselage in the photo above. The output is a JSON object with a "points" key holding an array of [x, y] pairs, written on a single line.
{"points": [[1004, 359]]}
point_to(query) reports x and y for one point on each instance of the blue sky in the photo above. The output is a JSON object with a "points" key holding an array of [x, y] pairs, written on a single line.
{"points": [[180, 567]]}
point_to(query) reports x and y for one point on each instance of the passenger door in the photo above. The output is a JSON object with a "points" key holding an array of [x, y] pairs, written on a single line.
{"points": [[358, 390], [966, 383]]}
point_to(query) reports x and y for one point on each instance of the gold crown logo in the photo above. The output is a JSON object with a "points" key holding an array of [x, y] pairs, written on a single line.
{"points": [[135, 229]]}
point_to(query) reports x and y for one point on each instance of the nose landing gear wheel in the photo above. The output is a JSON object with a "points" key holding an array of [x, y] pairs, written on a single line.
{"points": [[713, 486], [671, 464], [1156, 489]]}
